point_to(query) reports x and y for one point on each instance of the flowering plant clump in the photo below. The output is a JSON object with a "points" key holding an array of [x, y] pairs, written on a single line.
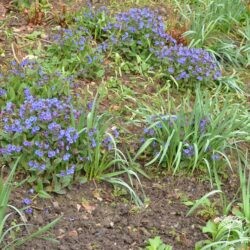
{"points": [[29, 74], [139, 36], [192, 140], [137, 31], [94, 21], [74, 52], [187, 64], [56, 141]]}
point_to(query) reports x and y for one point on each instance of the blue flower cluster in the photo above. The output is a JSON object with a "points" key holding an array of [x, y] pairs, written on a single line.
{"points": [[185, 63], [141, 31], [66, 36], [188, 150], [27, 202], [107, 141], [69, 171], [39, 130], [93, 21], [31, 74], [11, 149], [42, 125], [141, 23], [79, 55]]}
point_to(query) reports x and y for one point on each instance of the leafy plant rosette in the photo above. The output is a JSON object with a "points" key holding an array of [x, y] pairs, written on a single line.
{"points": [[94, 21], [186, 65], [157, 244], [29, 74], [58, 142], [74, 51], [193, 140], [139, 36], [226, 233], [135, 32]]}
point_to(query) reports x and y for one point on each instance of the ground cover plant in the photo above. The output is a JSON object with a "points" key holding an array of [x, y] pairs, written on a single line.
{"points": [[119, 117], [6, 233]]}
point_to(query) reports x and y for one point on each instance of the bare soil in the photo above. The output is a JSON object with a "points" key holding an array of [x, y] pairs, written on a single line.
{"points": [[98, 217]]}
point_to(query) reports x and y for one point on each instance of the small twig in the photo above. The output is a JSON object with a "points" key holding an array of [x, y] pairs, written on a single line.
{"points": [[95, 184], [23, 37], [14, 53], [46, 41], [37, 208]]}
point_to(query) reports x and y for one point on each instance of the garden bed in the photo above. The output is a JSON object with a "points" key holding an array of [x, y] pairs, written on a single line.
{"points": [[127, 122]]}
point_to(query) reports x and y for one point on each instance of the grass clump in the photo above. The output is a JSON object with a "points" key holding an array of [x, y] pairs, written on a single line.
{"points": [[194, 139]]}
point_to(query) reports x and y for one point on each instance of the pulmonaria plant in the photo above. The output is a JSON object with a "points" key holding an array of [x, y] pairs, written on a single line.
{"points": [[74, 51], [140, 32], [57, 142], [94, 21], [137, 31], [187, 64], [30, 74]]}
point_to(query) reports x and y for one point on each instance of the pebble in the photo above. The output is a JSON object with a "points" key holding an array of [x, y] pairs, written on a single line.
{"points": [[73, 234]]}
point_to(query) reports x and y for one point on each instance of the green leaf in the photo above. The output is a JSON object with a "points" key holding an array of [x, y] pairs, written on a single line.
{"points": [[43, 194]]}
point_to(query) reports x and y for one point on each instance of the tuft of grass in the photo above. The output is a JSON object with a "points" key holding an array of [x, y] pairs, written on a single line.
{"points": [[194, 136], [213, 25], [5, 190]]}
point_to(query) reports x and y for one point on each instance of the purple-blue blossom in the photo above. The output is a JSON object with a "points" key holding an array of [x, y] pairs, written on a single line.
{"points": [[215, 157], [188, 151], [2, 92], [27, 201], [66, 157], [186, 63], [39, 153], [69, 171], [28, 210]]}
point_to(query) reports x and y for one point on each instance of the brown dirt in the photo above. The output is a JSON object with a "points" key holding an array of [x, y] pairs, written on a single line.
{"points": [[96, 218]]}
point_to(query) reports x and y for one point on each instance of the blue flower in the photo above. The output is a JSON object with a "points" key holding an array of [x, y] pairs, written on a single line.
{"points": [[203, 125], [27, 144], [115, 132], [54, 126], [9, 107], [51, 153], [188, 151], [215, 157], [2, 92], [69, 171], [149, 131], [28, 210], [45, 116], [171, 70], [66, 157], [35, 129], [90, 105], [93, 143], [27, 94], [27, 201], [10, 149], [39, 153]]}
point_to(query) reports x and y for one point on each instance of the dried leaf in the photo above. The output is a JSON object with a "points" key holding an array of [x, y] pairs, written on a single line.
{"points": [[86, 205], [2, 12], [73, 234], [97, 195], [78, 207]]}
